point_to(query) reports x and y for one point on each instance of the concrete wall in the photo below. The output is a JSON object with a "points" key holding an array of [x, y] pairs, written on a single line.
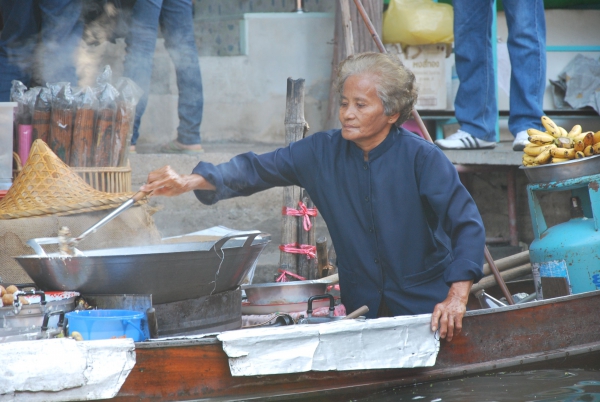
{"points": [[245, 95]]}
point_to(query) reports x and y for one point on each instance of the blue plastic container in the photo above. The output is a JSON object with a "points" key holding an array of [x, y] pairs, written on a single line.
{"points": [[108, 324]]}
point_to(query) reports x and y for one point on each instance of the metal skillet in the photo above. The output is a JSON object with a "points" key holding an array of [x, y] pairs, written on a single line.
{"points": [[67, 243]]}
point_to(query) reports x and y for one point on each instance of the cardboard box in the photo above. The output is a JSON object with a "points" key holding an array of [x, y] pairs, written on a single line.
{"points": [[428, 64]]}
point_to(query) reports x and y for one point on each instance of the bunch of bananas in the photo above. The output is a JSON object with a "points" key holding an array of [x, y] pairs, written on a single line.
{"points": [[557, 145]]}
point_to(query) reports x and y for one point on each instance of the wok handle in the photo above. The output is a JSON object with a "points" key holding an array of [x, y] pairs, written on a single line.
{"points": [[357, 313], [250, 234]]}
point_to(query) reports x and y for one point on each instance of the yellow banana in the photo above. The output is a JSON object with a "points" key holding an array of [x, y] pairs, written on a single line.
{"points": [[528, 159], [596, 137], [579, 155], [562, 153], [543, 158], [535, 150], [559, 160], [563, 132], [575, 131], [596, 148], [551, 126], [539, 138], [564, 142], [579, 145], [588, 151]]}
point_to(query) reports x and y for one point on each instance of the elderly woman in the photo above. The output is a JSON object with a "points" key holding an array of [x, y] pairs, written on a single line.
{"points": [[408, 236]]}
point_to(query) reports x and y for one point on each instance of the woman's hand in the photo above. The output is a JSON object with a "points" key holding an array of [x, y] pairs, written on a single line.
{"points": [[450, 312], [166, 181]]}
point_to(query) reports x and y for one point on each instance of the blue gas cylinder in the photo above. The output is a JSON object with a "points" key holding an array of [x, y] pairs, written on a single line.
{"points": [[570, 249]]}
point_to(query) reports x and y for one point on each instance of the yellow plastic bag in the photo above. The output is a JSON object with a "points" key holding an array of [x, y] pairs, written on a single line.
{"points": [[418, 22]]}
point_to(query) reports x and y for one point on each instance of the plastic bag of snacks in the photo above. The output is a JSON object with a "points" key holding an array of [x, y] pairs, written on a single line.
{"points": [[83, 129], [129, 95]]}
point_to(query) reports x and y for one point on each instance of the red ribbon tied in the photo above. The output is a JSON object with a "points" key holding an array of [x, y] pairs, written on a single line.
{"points": [[306, 213], [294, 248], [283, 277]]}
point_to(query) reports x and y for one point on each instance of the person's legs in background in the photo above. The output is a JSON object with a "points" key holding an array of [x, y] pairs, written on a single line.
{"points": [[527, 49], [17, 43], [61, 31], [177, 26], [475, 104], [141, 43]]}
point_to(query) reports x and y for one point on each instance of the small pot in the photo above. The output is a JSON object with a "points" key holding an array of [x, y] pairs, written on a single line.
{"points": [[319, 320], [287, 292]]}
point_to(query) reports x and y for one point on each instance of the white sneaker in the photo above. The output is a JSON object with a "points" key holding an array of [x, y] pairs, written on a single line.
{"points": [[521, 141], [463, 140]]}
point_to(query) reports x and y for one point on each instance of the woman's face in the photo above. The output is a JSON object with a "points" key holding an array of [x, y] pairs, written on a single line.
{"points": [[361, 113]]}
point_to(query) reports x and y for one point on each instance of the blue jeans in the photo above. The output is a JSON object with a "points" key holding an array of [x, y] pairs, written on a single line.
{"points": [[475, 104], [59, 25], [176, 21]]}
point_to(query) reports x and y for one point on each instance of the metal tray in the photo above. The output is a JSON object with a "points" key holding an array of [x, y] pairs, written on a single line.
{"points": [[169, 272], [563, 171]]}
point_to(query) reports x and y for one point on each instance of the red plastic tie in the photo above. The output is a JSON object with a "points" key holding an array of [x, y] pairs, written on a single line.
{"points": [[294, 248], [303, 211], [283, 277]]}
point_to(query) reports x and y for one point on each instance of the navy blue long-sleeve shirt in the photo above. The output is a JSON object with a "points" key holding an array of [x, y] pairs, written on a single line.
{"points": [[403, 226]]}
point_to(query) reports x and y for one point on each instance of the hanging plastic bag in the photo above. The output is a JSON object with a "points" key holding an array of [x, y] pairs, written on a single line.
{"points": [[418, 22]]}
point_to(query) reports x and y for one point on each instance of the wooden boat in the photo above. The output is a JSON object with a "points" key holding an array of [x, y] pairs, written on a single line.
{"points": [[562, 332]]}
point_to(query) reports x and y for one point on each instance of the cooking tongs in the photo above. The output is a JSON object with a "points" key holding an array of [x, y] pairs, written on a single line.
{"points": [[67, 244]]}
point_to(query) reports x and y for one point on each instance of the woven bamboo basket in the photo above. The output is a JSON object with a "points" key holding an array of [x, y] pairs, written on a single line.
{"points": [[105, 179]]}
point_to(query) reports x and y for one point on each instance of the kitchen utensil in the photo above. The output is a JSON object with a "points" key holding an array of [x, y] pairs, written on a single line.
{"points": [[68, 244], [319, 320], [357, 313], [287, 292], [169, 272], [249, 308], [34, 332], [562, 171], [32, 315]]}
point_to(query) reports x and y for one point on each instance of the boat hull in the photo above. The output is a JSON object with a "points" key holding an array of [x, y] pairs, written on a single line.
{"points": [[562, 332]]}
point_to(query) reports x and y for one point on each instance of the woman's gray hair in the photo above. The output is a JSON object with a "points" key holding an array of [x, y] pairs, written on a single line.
{"points": [[395, 86]]}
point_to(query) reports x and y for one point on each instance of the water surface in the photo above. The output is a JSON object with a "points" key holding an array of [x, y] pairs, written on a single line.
{"points": [[528, 386]]}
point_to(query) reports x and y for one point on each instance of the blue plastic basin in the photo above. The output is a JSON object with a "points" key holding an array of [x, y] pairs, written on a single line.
{"points": [[108, 324]]}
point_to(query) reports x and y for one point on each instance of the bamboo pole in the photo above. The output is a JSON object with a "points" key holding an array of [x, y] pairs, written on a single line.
{"points": [[510, 274]]}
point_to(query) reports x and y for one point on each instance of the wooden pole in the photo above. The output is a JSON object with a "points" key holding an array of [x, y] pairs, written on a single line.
{"points": [[295, 126], [347, 27], [307, 267], [322, 257]]}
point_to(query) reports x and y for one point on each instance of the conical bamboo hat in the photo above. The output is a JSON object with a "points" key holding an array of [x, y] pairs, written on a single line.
{"points": [[46, 185]]}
